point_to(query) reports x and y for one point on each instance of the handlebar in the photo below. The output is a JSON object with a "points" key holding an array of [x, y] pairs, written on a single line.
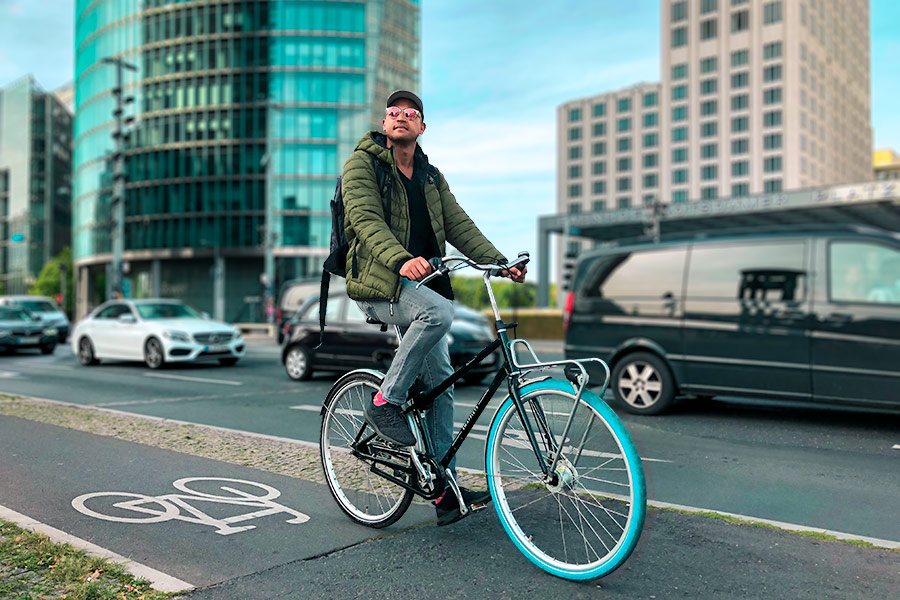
{"points": [[490, 269]]}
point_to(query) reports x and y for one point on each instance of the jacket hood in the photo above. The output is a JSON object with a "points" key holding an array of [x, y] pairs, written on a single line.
{"points": [[375, 143]]}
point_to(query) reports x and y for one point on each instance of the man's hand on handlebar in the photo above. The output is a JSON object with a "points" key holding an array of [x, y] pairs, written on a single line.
{"points": [[515, 274], [416, 269]]}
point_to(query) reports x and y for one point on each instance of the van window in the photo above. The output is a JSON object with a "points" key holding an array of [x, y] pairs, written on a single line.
{"points": [[771, 271], [651, 274], [863, 272]]}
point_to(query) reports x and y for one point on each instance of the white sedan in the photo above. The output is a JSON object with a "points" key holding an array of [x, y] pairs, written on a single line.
{"points": [[156, 332]]}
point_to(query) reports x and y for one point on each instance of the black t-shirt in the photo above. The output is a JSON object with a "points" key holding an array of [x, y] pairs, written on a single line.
{"points": [[422, 241]]}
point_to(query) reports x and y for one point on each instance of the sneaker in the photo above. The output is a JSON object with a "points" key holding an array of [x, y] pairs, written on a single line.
{"points": [[390, 423], [447, 507]]}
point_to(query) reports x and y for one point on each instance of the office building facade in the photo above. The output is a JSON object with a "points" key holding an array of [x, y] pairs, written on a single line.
{"points": [[244, 113], [887, 165], [35, 182]]}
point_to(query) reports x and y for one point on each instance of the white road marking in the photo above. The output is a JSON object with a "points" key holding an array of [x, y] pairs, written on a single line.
{"points": [[158, 580], [197, 379], [8, 374], [896, 446]]}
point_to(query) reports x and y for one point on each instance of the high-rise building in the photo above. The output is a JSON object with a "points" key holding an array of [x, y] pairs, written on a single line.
{"points": [[245, 112], [887, 164], [35, 181]]}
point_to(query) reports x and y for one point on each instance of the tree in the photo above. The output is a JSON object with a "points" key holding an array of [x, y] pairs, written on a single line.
{"points": [[48, 280]]}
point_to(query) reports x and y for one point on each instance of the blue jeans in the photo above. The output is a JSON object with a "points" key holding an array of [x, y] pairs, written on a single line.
{"points": [[424, 317]]}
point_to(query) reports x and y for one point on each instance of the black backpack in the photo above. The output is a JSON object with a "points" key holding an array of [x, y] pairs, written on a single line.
{"points": [[336, 263]]}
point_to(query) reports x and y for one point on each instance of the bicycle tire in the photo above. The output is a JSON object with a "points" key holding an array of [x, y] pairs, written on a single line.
{"points": [[621, 498], [363, 495]]}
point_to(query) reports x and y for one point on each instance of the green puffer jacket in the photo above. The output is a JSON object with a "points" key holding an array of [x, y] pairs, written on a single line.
{"points": [[377, 251]]}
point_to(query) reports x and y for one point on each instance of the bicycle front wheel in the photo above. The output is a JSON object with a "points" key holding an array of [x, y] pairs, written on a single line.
{"points": [[585, 519], [364, 496]]}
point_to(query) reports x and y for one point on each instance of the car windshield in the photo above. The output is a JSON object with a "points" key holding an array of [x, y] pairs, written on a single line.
{"points": [[13, 314], [167, 310], [37, 305]]}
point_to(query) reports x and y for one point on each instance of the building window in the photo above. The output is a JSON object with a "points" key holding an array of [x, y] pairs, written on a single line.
{"points": [[651, 160], [709, 193], [709, 150], [772, 73], [772, 13], [623, 202], [740, 21], [574, 152], [599, 167], [709, 172], [623, 184], [679, 11], [710, 107], [679, 92], [709, 86], [650, 181], [575, 191], [708, 65], [599, 187], [650, 119], [650, 99], [772, 50], [679, 134], [598, 205], [739, 124], [679, 155], [679, 37], [679, 113], [740, 58], [600, 109], [709, 29], [740, 80], [772, 164], [574, 208], [598, 149], [623, 164], [574, 133], [574, 172], [772, 118], [772, 185], [740, 146], [708, 6], [740, 189], [575, 114], [772, 141], [679, 176], [623, 144], [772, 96], [599, 129], [679, 196], [623, 105], [709, 129], [740, 102], [623, 124], [651, 140], [679, 71], [740, 168]]}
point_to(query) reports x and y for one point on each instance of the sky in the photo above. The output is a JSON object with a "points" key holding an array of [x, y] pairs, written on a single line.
{"points": [[493, 74]]}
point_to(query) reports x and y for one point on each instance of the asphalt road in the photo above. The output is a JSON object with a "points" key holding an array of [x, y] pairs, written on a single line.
{"points": [[834, 470]]}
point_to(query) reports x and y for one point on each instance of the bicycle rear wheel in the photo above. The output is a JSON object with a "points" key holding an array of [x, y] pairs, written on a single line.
{"points": [[364, 496], [585, 521]]}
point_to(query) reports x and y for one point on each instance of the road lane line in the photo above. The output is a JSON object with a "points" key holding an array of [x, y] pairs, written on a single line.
{"points": [[197, 379], [896, 446], [158, 580]]}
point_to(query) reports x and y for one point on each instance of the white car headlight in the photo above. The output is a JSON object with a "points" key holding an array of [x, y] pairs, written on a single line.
{"points": [[51, 331], [237, 334], [5, 333], [176, 336]]}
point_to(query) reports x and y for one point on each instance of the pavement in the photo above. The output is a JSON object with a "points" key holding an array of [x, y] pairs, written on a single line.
{"points": [[227, 531]]}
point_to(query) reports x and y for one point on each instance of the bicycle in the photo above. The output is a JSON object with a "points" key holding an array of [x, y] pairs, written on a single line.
{"points": [[569, 491]]}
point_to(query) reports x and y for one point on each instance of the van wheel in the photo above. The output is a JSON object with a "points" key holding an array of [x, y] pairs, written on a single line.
{"points": [[643, 384], [297, 363]]}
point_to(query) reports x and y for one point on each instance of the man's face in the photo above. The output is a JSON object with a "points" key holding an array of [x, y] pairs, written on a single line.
{"points": [[401, 130]]}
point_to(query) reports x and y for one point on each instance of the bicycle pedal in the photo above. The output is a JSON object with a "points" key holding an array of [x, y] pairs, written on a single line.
{"points": [[477, 507]]}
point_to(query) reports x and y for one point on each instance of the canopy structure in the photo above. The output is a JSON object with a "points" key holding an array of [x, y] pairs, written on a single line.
{"points": [[875, 205]]}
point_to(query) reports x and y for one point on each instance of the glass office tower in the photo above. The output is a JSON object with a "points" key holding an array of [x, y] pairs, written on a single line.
{"points": [[234, 103]]}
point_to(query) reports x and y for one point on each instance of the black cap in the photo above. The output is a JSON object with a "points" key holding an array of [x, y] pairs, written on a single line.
{"points": [[409, 96]]}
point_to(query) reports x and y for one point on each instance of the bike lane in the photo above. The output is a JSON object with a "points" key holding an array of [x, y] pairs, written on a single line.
{"points": [[199, 520]]}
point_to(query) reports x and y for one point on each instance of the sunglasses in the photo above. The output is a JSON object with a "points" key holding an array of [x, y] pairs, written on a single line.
{"points": [[410, 114]]}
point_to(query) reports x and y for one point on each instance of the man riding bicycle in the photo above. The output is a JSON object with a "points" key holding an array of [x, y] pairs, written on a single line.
{"points": [[388, 255]]}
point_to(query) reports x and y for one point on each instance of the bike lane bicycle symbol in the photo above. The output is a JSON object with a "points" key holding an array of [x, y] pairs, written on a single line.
{"points": [[167, 507]]}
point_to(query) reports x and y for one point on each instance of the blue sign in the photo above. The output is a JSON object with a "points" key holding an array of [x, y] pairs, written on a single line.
{"points": [[17, 237]]}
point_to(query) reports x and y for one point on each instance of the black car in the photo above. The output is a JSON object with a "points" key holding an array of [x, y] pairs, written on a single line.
{"points": [[291, 297], [351, 343], [808, 316], [19, 329]]}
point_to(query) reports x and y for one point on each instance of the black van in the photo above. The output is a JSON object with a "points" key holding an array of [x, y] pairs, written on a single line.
{"points": [[810, 316]]}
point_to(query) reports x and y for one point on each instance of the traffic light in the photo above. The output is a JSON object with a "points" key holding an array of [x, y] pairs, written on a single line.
{"points": [[568, 270]]}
